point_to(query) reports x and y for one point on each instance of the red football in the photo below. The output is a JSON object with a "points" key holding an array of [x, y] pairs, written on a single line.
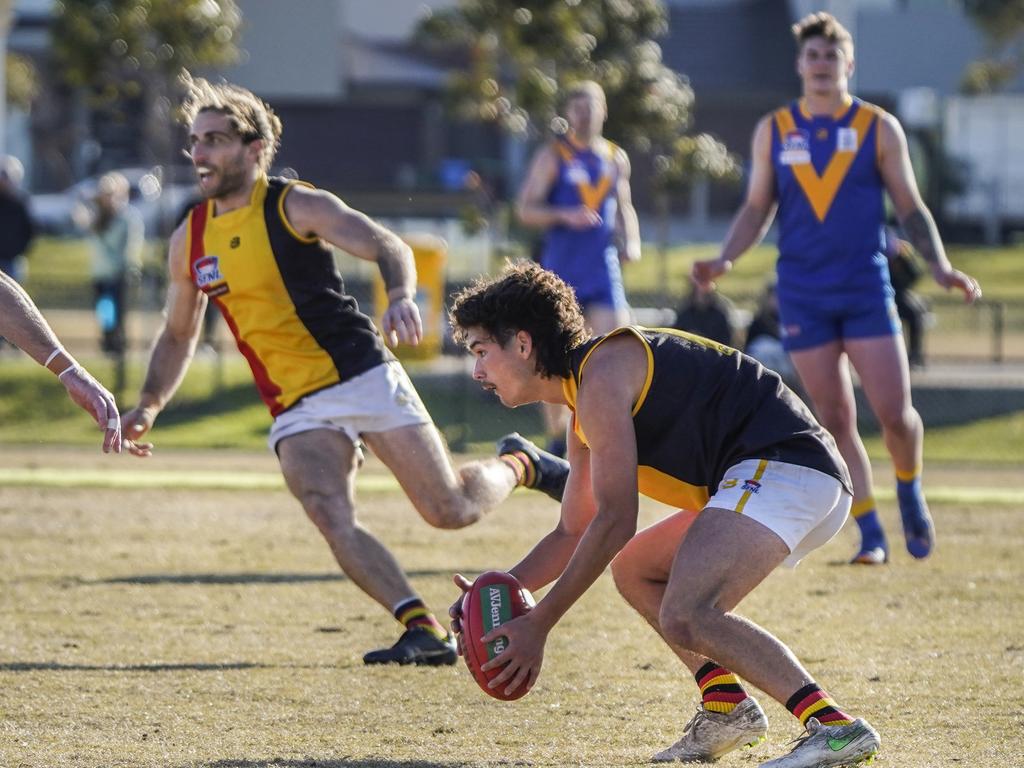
{"points": [[494, 599]]}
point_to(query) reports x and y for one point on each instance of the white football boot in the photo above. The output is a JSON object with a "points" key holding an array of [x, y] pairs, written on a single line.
{"points": [[709, 735], [824, 746]]}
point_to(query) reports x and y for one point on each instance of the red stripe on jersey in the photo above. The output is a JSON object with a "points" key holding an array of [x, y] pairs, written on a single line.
{"points": [[268, 390], [197, 224]]}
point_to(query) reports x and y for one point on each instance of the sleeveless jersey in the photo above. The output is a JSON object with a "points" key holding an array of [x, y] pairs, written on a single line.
{"points": [[704, 408], [585, 177], [282, 297], [831, 212]]}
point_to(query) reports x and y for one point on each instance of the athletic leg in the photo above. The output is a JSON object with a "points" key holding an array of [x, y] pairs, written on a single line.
{"points": [[727, 717], [881, 363], [825, 375], [444, 497]]}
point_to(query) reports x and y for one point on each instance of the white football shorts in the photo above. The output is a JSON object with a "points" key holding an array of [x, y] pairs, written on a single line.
{"points": [[803, 506], [379, 400]]}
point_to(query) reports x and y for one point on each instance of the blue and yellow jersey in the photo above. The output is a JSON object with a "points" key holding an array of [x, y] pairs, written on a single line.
{"points": [[704, 408], [282, 297], [586, 176], [830, 195]]}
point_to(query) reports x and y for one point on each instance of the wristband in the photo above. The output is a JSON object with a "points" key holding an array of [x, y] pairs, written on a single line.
{"points": [[56, 351], [71, 367], [397, 294]]}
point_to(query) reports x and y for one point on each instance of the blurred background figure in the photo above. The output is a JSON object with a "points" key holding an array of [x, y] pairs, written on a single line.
{"points": [[764, 338], [905, 270], [577, 191], [15, 221], [709, 314], [117, 234]]}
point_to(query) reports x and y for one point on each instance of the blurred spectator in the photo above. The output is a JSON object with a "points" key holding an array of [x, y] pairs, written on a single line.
{"points": [[764, 338], [709, 314], [117, 233], [15, 222], [904, 270]]}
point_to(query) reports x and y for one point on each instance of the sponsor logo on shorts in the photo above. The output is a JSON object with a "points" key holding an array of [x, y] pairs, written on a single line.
{"points": [[751, 485]]}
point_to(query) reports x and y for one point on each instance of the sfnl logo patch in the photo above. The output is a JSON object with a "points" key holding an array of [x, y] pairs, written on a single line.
{"points": [[207, 277], [495, 611]]}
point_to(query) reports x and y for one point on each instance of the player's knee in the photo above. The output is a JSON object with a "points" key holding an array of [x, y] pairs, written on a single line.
{"points": [[328, 513], [838, 418], [684, 628], [626, 573], [899, 418], [447, 511]]}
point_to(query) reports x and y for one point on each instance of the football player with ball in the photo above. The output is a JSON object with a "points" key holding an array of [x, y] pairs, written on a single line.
{"points": [[694, 424]]}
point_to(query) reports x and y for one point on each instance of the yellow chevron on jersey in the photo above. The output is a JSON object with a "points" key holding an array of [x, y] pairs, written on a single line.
{"points": [[281, 296], [821, 190]]}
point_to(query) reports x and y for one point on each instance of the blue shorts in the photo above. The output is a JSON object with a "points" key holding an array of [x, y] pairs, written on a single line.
{"points": [[806, 325], [597, 282]]}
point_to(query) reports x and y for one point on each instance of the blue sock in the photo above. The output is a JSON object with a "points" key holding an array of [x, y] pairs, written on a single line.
{"points": [[917, 522], [871, 532]]}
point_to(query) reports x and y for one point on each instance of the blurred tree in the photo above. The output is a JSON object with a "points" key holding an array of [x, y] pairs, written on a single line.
{"points": [[522, 55], [120, 55], [1002, 22]]}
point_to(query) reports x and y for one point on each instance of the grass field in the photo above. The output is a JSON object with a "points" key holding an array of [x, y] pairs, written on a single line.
{"points": [[185, 627]]}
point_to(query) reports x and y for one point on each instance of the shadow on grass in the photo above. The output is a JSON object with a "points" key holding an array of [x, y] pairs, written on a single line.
{"points": [[246, 577], [52, 666], [340, 762]]}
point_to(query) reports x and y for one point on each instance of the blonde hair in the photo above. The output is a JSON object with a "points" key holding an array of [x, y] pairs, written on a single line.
{"points": [[822, 24], [251, 117]]}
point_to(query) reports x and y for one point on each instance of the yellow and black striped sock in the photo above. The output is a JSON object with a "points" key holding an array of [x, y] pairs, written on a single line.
{"points": [[720, 689], [413, 613], [810, 701], [526, 474]]}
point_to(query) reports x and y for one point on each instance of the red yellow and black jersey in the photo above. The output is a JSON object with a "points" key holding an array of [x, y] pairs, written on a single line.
{"points": [[705, 407], [282, 297]]}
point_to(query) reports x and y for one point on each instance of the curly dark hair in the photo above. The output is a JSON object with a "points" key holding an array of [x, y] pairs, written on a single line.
{"points": [[524, 297], [250, 116]]}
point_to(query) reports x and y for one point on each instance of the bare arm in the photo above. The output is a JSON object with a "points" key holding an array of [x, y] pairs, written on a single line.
{"points": [[548, 558], [614, 379], [626, 218], [317, 212], [913, 214], [754, 217], [22, 323], [174, 346], [532, 207]]}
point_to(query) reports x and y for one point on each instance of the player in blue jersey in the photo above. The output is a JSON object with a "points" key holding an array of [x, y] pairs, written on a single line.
{"points": [[823, 163], [577, 190]]}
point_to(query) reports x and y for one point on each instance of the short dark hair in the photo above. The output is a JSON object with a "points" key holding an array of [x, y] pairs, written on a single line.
{"points": [[524, 297], [250, 116], [824, 25]]}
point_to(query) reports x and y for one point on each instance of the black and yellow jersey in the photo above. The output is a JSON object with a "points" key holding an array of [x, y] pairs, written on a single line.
{"points": [[282, 297], [705, 407]]}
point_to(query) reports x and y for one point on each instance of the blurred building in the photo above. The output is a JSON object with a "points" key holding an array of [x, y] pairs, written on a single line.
{"points": [[363, 104]]}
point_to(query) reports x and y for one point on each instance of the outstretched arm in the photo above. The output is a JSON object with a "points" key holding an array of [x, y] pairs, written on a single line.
{"points": [[317, 212], [626, 218], [23, 324], [754, 217], [173, 349], [914, 216]]}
